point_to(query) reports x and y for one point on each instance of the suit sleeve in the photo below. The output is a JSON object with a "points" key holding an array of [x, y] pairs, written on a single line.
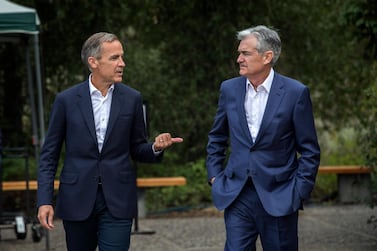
{"points": [[307, 145], [218, 139], [141, 149], [50, 153]]}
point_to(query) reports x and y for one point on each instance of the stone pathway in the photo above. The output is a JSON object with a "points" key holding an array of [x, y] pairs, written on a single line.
{"points": [[321, 228]]}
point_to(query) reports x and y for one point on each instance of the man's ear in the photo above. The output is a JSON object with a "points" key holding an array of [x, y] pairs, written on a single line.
{"points": [[92, 61], [267, 57]]}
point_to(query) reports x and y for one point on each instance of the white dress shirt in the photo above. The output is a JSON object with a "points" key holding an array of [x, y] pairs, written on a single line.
{"points": [[255, 103], [101, 111]]}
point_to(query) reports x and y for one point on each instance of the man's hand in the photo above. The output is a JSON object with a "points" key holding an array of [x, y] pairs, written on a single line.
{"points": [[46, 216], [164, 140]]}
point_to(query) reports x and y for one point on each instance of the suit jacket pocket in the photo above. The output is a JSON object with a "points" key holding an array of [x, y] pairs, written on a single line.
{"points": [[68, 178], [127, 176], [287, 175]]}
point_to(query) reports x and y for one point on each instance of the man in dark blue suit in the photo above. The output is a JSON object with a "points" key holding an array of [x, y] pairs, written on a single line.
{"points": [[266, 120], [101, 125]]}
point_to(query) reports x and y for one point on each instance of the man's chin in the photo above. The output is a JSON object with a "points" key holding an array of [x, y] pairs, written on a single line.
{"points": [[118, 80]]}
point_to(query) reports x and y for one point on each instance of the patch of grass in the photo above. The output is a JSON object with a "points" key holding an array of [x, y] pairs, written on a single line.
{"points": [[325, 188]]}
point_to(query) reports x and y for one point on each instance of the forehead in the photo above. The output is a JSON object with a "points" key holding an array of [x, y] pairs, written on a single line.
{"points": [[114, 47], [247, 44]]}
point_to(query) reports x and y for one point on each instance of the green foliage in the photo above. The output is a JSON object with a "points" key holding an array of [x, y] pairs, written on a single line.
{"points": [[196, 192], [338, 147], [17, 164], [361, 15], [14, 169], [325, 188], [178, 52], [341, 147], [368, 140]]}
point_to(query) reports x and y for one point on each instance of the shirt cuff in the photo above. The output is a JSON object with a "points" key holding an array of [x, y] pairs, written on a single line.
{"points": [[156, 153]]}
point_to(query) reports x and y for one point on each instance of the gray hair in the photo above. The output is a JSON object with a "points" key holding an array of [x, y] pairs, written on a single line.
{"points": [[93, 46], [268, 40]]}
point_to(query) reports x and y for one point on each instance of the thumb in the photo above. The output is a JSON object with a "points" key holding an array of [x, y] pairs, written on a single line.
{"points": [[50, 220], [177, 140]]}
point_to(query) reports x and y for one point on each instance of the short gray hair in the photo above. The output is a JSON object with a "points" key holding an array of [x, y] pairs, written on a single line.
{"points": [[268, 40], [93, 46]]}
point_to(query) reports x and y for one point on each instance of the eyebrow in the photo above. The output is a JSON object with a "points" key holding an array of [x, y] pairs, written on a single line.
{"points": [[244, 51], [114, 56]]}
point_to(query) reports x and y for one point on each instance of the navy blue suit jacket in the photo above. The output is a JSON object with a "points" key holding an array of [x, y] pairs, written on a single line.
{"points": [[72, 125], [282, 162]]}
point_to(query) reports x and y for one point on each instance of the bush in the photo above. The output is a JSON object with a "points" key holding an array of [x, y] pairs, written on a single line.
{"points": [[368, 139], [196, 193], [18, 166]]}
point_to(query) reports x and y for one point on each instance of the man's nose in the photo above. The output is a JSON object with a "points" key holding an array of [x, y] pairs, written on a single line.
{"points": [[122, 63], [239, 58]]}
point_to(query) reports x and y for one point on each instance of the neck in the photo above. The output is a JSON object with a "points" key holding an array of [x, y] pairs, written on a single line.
{"points": [[102, 86], [258, 79]]}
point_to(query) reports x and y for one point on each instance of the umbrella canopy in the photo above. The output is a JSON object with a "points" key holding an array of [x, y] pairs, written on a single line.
{"points": [[18, 23], [16, 18]]}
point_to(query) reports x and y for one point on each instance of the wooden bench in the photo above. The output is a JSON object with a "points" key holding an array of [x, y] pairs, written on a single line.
{"points": [[344, 169], [353, 182], [142, 184]]}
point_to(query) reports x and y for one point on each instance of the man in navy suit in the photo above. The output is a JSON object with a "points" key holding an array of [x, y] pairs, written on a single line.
{"points": [[266, 120], [101, 125]]}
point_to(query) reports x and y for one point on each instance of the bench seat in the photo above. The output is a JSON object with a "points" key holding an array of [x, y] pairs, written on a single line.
{"points": [[141, 183], [353, 182], [344, 169]]}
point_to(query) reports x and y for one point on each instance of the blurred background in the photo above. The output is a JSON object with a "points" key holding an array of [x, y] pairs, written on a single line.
{"points": [[178, 52]]}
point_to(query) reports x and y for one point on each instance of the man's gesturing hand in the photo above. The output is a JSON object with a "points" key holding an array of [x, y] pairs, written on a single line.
{"points": [[164, 140]]}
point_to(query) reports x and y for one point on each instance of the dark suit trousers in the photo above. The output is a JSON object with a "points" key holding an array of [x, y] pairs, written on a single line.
{"points": [[101, 228], [246, 219]]}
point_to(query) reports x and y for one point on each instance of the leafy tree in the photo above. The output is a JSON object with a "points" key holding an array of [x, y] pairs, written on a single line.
{"points": [[178, 52], [361, 16]]}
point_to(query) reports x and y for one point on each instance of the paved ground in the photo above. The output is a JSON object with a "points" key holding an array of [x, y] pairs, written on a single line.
{"points": [[321, 228]]}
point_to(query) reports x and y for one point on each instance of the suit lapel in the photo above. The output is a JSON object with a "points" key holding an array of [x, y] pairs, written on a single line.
{"points": [[240, 94], [273, 102], [116, 103], [85, 105]]}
